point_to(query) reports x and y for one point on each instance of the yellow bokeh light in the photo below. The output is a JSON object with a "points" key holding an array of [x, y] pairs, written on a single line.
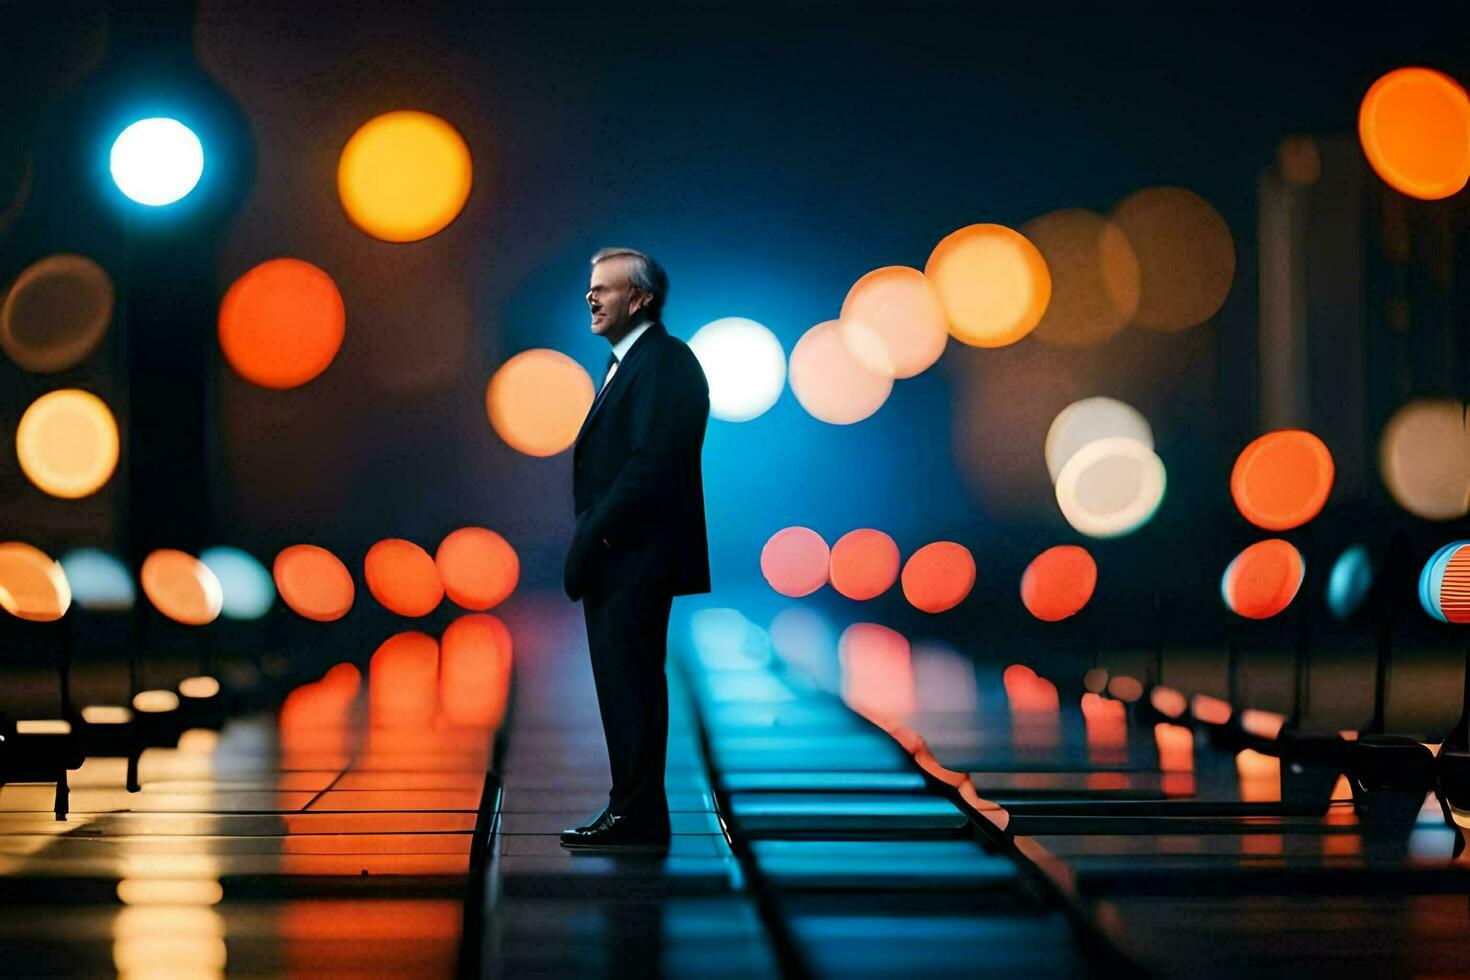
{"points": [[32, 584], [202, 686], [404, 175], [893, 323], [829, 382], [106, 714], [56, 313], [993, 283], [1186, 257], [1094, 276], [537, 401], [67, 443], [1414, 125], [43, 726], [155, 701]]}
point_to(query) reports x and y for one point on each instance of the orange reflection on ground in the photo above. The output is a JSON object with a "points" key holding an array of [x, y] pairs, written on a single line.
{"points": [[1107, 730], [1260, 776], [332, 935], [1176, 747], [316, 717], [403, 577], [1028, 693], [877, 671], [478, 567], [403, 682], [1035, 710], [474, 671]]}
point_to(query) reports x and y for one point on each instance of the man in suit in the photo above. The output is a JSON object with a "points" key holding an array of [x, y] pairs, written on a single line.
{"points": [[640, 535]]}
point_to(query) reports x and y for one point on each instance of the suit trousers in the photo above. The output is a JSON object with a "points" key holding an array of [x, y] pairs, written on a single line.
{"points": [[627, 634]]}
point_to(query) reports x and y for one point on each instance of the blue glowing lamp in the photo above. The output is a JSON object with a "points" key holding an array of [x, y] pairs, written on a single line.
{"points": [[99, 582], [249, 592], [1349, 581], [156, 161]]}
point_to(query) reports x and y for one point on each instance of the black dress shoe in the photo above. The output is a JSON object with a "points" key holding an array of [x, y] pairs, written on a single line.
{"points": [[589, 825], [613, 831]]}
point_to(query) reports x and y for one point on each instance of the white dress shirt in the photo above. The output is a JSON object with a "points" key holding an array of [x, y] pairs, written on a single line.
{"points": [[621, 348]]}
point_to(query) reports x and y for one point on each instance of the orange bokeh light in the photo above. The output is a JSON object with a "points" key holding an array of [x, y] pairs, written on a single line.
{"points": [[281, 323], [403, 682], [1176, 747], [478, 567], [829, 382], [1094, 276], [893, 323], [1281, 480], [537, 401], [1414, 124], [1186, 256], [1029, 693], [1058, 582], [864, 564], [313, 582], [993, 282], [474, 670], [403, 577], [796, 561], [1262, 580], [32, 584], [181, 587], [938, 576]]}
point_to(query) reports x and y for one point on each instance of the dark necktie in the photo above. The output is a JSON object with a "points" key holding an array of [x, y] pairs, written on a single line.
{"points": [[606, 383]]}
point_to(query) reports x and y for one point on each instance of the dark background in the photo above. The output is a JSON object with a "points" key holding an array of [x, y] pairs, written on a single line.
{"points": [[768, 156]]}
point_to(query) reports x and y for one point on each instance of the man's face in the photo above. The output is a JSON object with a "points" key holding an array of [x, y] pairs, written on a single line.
{"points": [[612, 299]]}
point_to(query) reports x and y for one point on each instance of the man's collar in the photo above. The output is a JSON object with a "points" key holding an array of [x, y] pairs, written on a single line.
{"points": [[621, 348]]}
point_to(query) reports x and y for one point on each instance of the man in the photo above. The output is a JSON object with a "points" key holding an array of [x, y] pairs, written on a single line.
{"points": [[640, 537]]}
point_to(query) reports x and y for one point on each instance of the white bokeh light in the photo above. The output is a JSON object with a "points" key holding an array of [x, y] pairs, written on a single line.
{"points": [[744, 364], [157, 161]]}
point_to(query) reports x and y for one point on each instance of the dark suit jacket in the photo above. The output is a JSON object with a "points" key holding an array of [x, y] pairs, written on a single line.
{"points": [[636, 482]]}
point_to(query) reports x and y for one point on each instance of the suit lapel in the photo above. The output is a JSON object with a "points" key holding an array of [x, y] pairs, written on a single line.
{"points": [[619, 380]]}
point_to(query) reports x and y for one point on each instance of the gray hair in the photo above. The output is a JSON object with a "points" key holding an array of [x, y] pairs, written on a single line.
{"points": [[643, 273]]}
